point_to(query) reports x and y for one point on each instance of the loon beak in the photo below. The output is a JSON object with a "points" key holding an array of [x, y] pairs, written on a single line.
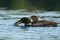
{"points": [[16, 23]]}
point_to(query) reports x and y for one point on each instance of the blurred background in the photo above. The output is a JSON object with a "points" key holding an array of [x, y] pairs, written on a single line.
{"points": [[49, 5]]}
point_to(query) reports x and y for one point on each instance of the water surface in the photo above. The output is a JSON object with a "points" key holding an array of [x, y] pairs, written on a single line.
{"points": [[10, 32]]}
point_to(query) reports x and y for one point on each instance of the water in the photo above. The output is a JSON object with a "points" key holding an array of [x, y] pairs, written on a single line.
{"points": [[10, 32]]}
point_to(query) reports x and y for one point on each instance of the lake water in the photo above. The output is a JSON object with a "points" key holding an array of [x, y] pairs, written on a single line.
{"points": [[10, 32]]}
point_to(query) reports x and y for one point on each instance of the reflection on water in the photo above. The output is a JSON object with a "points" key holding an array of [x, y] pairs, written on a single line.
{"points": [[10, 32]]}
